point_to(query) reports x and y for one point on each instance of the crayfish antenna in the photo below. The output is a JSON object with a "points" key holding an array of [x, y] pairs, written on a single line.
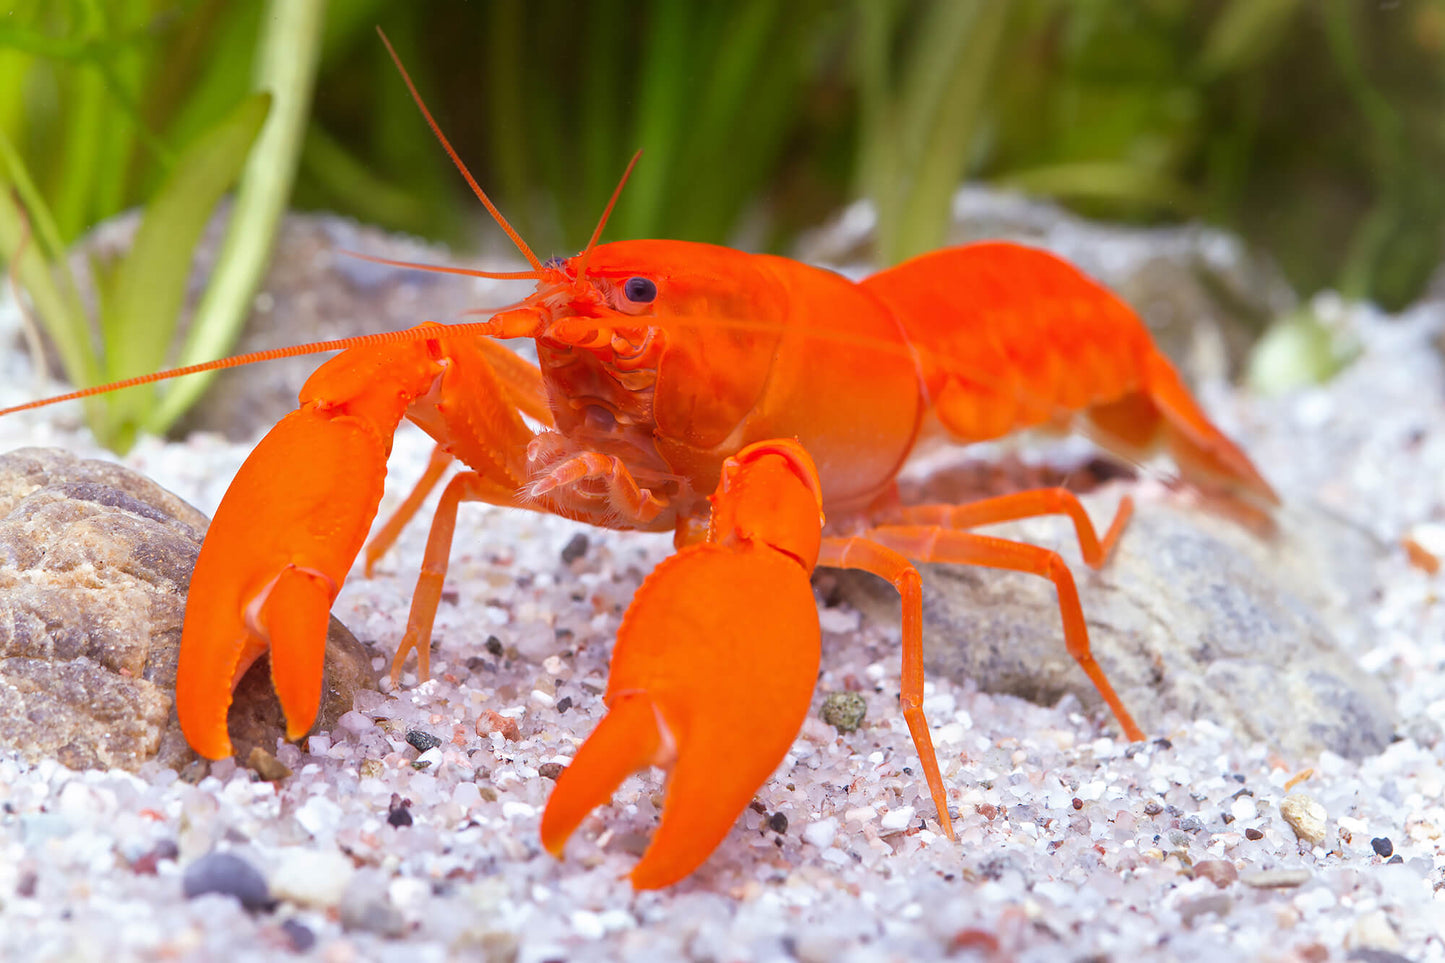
{"points": [[502, 222], [606, 213]]}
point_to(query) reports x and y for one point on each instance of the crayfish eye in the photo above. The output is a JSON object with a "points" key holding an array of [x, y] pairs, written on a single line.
{"points": [[640, 290]]}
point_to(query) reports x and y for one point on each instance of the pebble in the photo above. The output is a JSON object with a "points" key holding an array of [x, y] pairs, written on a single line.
{"points": [[467, 795], [1216, 903], [821, 833], [1305, 816], [492, 721], [355, 722], [318, 815], [399, 812], [575, 548], [421, 740], [1220, 872], [1382, 846], [299, 935], [267, 766], [1275, 878], [1371, 955], [365, 906], [778, 823], [228, 875], [844, 711], [897, 819], [311, 877], [1372, 931], [1252, 833]]}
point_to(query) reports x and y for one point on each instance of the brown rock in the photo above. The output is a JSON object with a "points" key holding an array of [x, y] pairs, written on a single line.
{"points": [[95, 562]]}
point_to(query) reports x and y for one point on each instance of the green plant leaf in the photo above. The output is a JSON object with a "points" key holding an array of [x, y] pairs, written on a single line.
{"points": [[139, 318], [285, 67]]}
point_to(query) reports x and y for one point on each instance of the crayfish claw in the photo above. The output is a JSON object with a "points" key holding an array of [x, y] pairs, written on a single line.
{"points": [[626, 740], [713, 669], [297, 612], [711, 678]]}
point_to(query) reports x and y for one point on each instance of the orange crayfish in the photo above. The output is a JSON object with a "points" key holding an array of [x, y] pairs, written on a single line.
{"points": [[725, 397]]}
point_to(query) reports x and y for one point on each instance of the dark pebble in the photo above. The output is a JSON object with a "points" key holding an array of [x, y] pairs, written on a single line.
{"points": [[494, 646], [228, 875], [550, 770], [758, 807], [574, 549], [399, 813], [422, 740], [1382, 847], [1078, 803], [1153, 808], [1191, 824], [299, 935], [1253, 833], [1366, 954], [1395, 860], [778, 823], [563, 704]]}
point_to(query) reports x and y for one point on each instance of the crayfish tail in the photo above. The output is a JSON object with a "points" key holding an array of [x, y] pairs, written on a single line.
{"points": [[1163, 414]]}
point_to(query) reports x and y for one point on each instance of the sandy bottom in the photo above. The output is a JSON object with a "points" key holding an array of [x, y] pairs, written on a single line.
{"points": [[1072, 844]]}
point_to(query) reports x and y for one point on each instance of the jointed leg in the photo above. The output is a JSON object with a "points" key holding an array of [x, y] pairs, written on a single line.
{"points": [[466, 486], [869, 556], [934, 544], [387, 535], [1028, 504]]}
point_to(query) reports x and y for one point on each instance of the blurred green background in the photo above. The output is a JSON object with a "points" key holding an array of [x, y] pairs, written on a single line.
{"points": [[1314, 128]]}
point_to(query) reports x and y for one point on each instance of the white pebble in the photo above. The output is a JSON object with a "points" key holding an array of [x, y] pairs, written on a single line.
{"points": [[821, 833], [897, 819], [467, 795], [512, 810], [355, 723], [588, 925], [311, 877], [318, 815]]}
